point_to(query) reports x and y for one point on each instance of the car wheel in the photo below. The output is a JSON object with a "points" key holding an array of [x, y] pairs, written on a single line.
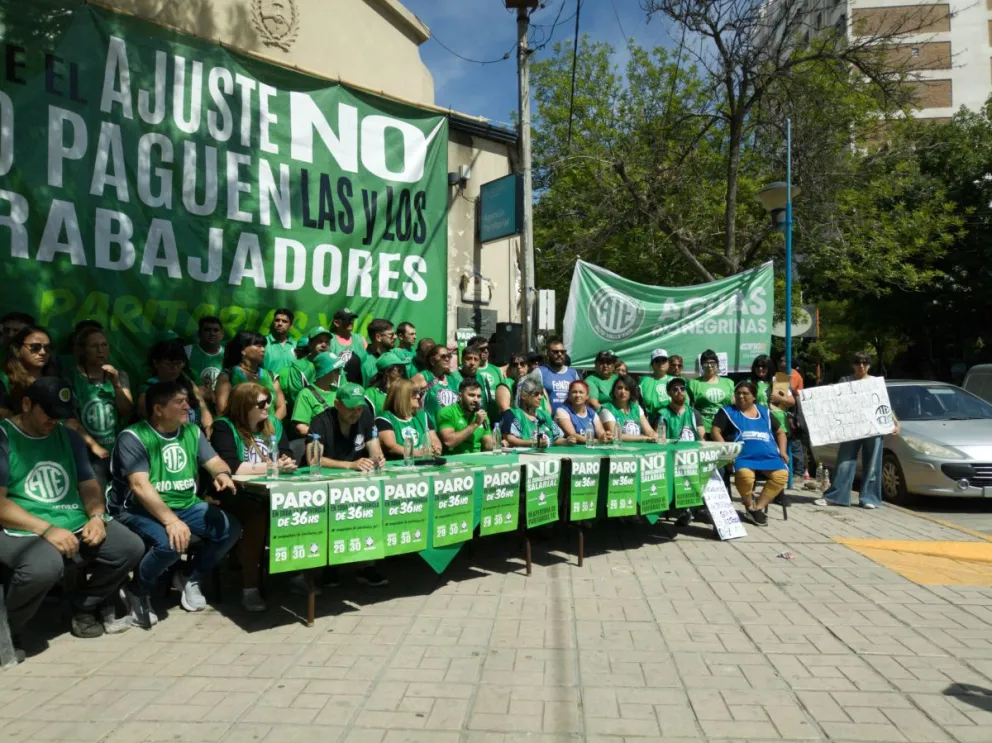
{"points": [[893, 481]]}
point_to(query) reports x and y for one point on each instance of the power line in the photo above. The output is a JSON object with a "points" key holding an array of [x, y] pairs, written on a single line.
{"points": [[550, 34], [616, 13], [575, 57], [506, 54]]}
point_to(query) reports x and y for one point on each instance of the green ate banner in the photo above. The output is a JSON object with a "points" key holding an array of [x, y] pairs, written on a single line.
{"points": [[297, 526], [500, 499], [732, 315], [543, 477], [688, 489], [454, 503], [406, 514], [622, 486], [148, 178], [652, 483], [354, 529], [584, 492]]}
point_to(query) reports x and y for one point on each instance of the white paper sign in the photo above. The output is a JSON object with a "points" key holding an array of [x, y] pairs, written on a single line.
{"points": [[725, 519], [846, 411]]}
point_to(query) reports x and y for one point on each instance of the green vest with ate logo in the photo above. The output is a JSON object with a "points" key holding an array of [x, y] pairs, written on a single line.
{"points": [[172, 463], [415, 427], [97, 408], [42, 477]]}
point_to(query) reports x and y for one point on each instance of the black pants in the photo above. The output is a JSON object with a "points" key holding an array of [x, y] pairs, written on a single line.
{"points": [[37, 566]]}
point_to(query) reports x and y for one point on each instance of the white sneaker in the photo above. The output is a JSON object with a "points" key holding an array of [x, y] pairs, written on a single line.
{"points": [[140, 609], [192, 598], [820, 502], [112, 624], [298, 585], [868, 505], [252, 601]]}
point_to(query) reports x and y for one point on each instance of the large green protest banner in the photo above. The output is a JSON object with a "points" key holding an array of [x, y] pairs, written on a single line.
{"points": [[148, 178], [732, 316]]}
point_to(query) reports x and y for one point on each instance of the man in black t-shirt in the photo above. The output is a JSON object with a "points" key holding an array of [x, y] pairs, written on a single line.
{"points": [[348, 433]]}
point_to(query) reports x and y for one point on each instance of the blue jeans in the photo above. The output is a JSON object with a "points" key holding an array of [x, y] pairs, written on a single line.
{"points": [[216, 528], [797, 455], [847, 465]]}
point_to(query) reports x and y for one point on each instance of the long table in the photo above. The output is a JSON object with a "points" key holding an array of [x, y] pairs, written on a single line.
{"points": [[342, 516]]}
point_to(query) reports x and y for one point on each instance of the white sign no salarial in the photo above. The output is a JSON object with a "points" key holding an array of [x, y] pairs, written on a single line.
{"points": [[847, 411]]}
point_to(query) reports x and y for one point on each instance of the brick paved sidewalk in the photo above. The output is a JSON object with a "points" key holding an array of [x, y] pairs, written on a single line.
{"points": [[689, 639]]}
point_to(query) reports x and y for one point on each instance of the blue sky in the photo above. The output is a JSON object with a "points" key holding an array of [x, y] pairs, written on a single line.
{"points": [[485, 30]]}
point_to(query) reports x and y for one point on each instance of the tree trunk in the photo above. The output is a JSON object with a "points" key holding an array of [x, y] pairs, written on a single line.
{"points": [[730, 214]]}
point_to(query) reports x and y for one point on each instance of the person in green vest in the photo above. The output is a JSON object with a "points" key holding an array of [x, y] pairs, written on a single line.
{"points": [[471, 360], [347, 345], [710, 392], [382, 338], [601, 379], [679, 421], [294, 378], [243, 359], [530, 425], [280, 350], [52, 509], [625, 413], [155, 465], [244, 440], [206, 356], [463, 427], [439, 383], [390, 368], [104, 395], [654, 392], [319, 396], [402, 418], [168, 363]]}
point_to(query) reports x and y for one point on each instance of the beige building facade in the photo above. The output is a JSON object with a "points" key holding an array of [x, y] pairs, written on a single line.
{"points": [[375, 44]]}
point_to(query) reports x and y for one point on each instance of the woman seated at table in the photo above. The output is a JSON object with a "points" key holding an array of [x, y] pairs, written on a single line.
{"points": [[763, 452], [575, 417], [243, 440], [403, 418], [623, 411], [530, 425]]}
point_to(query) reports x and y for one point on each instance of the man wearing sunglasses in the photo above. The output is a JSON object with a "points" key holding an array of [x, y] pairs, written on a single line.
{"points": [[382, 339], [556, 375], [154, 493]]}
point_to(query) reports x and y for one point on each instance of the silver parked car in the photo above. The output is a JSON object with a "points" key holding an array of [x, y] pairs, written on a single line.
{"points": [[945, 444]]}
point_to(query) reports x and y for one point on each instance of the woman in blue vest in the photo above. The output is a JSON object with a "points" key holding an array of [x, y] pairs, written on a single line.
{"points": [[763, 452], [576, 417]]}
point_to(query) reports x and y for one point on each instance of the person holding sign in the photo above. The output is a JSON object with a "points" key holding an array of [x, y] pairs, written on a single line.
{"points": [[243, 359], [52, 509], [464, 426], [153, 493], [244, 441], [531, 425], [439, 383], [404, 419], [763, 451], [601, 380], [294, 378], [168, 363], [578, 420], [839, 493], [206, 356], [318, 397], [624, 412], [710, 392]]}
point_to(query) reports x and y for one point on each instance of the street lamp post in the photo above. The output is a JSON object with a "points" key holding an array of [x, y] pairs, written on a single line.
{"points": [[776, 198]]}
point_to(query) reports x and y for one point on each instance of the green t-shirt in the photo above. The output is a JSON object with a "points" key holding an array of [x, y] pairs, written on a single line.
{"points": [[709, 398], [205, 366], [630, 422], [378, 399], [493, 374], [440, 394], [172, 463], [97, 408], [309, 407], [655, 395], [41, 477], [763, 390], [453, 417], [600, 389], [369, 368], [415, 428], [291, 378], [681, 426], [278, 355]]}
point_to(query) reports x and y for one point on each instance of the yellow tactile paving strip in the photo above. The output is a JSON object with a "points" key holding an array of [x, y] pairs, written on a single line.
{"points": [[930, 563]]}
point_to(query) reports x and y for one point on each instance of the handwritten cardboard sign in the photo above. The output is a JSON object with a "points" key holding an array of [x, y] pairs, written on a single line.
{"points": [[846, 411], [725, 519]]}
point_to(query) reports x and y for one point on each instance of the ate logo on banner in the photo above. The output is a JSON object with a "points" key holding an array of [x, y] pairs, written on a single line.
{"points": [[613, 315], [47, 482], [174, 457]]}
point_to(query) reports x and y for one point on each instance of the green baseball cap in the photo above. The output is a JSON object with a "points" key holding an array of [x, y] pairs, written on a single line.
{"points": [[351, 395], [390, 358], [167, 335], [303, 343], [325, 363], [319, 330]]}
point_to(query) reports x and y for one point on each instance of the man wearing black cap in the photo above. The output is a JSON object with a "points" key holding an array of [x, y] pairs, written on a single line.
{"points": [[52, 510], [348, 346], [601, 380]]}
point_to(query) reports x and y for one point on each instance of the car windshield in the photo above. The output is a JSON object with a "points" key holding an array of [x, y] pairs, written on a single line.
{"points": [[926, 402]]}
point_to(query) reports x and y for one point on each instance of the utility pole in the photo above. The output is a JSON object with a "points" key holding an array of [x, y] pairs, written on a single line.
{"points": [[524, 7]]}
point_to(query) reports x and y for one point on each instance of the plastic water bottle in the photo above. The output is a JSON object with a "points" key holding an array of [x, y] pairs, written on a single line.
{"points": [[408, 448], [497, 440], [616, 434], [819, 477], [272, 466], [590, 435], [826, 480], [315, 454], [659, 436]]}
